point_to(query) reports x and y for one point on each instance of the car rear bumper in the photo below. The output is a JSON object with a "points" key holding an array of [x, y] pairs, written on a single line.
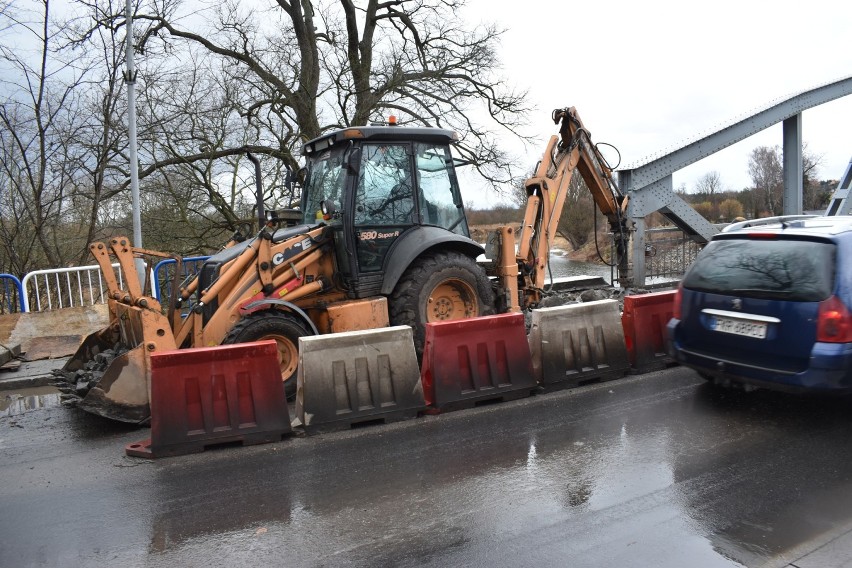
{"points": [[829, 368]]}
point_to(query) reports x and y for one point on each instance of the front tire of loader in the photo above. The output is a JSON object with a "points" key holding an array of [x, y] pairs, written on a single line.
{"points": [[281, 327], [440, 286]]}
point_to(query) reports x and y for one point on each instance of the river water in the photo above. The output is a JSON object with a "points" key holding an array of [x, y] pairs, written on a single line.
{"points": [[562, 266]]}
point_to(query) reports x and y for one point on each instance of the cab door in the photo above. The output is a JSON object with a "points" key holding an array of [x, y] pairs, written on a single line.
{"points": [[384, 204]]}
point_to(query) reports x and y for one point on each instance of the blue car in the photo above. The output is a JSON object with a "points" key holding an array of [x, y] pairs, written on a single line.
{"points": [[767, 304]]}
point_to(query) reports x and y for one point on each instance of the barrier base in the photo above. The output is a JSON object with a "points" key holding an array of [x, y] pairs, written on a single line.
{"points": [[576, 382], [361, 422], [482, 401], [144, 449], [658, 365]]}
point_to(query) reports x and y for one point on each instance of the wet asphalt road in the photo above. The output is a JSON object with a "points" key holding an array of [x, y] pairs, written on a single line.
{"points": [[655, 470]]}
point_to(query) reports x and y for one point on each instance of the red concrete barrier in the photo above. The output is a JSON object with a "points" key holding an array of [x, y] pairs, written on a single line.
{"points": [[474, 360], [207, 396], [644, 321]]}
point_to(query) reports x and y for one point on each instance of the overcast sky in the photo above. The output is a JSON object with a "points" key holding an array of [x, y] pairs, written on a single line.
{"points": [[649, 76]]}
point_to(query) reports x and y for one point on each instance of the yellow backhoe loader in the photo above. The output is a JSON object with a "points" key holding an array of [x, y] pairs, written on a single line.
{"points": [[382, 240]]}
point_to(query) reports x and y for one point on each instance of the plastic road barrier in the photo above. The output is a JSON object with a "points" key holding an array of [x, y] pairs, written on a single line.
{"points": [[644, 322], [474, 360], [207, 396], [578, 344], [358, 376]]}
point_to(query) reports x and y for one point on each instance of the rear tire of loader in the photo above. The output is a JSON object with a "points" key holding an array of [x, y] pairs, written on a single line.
{"points": [[440, 286], [281, 327]]}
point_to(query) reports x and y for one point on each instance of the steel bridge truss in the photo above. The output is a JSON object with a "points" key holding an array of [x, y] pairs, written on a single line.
{"points": [[649, 185]]}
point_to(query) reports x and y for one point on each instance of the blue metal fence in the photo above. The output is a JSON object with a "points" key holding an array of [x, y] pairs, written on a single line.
{"points": [[11, 294], [164, 272]]}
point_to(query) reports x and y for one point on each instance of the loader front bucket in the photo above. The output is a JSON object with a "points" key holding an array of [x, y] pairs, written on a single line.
{"points": [[107, 379], [109, 375], [122, 393]]}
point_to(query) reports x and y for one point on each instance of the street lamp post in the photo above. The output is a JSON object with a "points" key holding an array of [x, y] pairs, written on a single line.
{"points": [[130, 79]]}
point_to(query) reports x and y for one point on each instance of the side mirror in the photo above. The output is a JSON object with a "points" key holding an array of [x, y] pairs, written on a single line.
{"points": [[294, 178], [329, 210]]}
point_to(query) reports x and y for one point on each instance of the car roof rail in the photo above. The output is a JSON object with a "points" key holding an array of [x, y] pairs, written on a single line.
{"points": [[765, 221]]}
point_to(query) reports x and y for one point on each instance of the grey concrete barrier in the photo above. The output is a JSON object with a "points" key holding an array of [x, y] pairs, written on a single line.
{"points": [[358, 376], [578, 344]]}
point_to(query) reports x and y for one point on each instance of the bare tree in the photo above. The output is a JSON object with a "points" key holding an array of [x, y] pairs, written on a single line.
{"points": [[99, 130], [237, 80], [334, 64], [37, 112], [709, 185], [766, 171], [814, 196], [767, 174]]}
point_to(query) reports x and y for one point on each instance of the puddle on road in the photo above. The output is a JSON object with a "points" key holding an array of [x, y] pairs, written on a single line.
{"points": [[17, 402]]}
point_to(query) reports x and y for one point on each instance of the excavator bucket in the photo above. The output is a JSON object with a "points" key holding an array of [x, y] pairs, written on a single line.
{"points": [[109, 375]]}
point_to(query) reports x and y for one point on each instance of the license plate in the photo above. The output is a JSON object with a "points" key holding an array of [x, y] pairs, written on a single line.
{"points": [[739, 327]]}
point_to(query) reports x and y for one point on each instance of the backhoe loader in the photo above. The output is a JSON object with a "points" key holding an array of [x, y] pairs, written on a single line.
{"points": [[382, 240]]}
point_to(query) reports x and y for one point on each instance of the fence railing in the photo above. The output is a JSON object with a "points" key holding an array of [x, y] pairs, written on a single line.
{"points": [[11, 294], [65, 288], [51, 289], [163, 273]]}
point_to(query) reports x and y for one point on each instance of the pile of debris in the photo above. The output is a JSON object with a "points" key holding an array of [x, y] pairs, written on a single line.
{"points": [[75, 385]]}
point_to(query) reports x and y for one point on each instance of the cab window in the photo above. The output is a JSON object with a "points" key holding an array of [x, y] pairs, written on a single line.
{"points": [[326, 176], [439, 196]]}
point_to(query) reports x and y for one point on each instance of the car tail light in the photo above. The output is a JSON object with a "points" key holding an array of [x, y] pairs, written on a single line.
{"points": [[834, 321], [762, 235], [676, 305]]}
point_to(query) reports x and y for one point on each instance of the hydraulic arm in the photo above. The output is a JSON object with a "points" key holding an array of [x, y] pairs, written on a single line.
{"points": [[572, 150]]}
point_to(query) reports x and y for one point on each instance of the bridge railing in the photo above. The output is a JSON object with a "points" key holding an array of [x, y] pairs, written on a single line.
{"points": [[668, 253], [77, 286]]}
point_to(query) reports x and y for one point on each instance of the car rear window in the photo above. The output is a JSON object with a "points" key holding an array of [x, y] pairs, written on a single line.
{"points": [[794, 270]]}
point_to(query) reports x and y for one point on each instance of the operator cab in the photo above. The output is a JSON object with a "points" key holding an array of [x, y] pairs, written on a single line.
{"points": [[380, 185]]}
